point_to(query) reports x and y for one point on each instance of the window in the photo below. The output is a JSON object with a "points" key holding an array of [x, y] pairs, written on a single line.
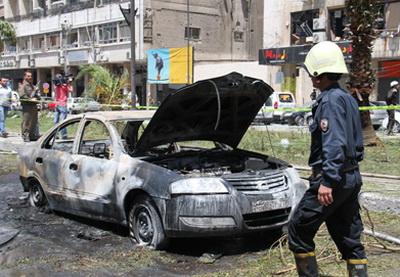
{"points": [[96, 140], [53, 41], [86, 36], [72, 39], [338, 23], [108, 33], [24, 45], [302, 25], [392, 16], [238, 36], [65, 145], [124, 32], [194, 33], [38, 43]]}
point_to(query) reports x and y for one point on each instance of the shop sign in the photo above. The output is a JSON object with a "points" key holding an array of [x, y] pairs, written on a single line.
{"points": [[7, 64], [296, 54]]}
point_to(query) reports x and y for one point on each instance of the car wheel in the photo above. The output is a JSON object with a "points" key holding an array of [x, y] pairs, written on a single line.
{"points": [[145, 226], [310, 120], [36, 196], [396, 127], [299, 120]]}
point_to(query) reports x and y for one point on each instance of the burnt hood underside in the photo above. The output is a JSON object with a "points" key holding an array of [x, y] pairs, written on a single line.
{"points": [[219, 109]]}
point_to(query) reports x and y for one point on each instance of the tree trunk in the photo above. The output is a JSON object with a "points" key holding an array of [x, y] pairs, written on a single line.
{"points": [[362, 78]]}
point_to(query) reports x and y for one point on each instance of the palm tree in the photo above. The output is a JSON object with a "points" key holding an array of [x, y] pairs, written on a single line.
{"points": [[103, 85], [362, 14], [7, 33]]}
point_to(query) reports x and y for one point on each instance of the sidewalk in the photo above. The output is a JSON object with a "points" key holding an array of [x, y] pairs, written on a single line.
{"points": [[12, 143]]}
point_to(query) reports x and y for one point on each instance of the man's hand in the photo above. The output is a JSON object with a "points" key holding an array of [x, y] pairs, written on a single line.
{"points": [[325, 195]]}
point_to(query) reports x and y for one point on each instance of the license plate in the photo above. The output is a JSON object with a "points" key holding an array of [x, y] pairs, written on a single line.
{"points": [[268, 205]]}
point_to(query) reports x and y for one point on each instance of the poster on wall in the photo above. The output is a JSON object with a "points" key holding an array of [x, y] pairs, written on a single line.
{"points": [[170, 66]]}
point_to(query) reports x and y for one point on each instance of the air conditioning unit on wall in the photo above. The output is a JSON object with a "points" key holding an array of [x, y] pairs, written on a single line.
{"points": [[38, 12], [319, 36], [319, 24], [102, 57], [57, 4]]}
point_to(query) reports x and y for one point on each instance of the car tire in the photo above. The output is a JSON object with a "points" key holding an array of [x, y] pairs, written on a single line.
{"points": [[145, 226], [396, 127], [299, 120], [310, 120], [37, 197]]}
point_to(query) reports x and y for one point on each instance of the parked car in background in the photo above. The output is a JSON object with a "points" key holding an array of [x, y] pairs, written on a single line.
{"points": [[396, 126], [300, 118], [15, 103], [180, 174], [377, 116], [278, 100], [81, 104]]}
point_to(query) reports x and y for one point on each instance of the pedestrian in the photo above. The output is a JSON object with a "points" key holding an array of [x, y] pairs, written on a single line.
{"points": [[61, 88], [391, 100], [5, 103], [28, 94], [336, 149]]}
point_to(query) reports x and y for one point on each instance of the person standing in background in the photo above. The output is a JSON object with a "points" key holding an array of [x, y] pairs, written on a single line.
{"points": [[28, 94], [5, 102], [391, 100], [61, 87]]}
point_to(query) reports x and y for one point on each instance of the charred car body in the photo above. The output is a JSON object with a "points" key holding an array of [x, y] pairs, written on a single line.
{"points": [[155, 181]]}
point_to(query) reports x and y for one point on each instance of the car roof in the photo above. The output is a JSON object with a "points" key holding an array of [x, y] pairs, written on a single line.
{"points": [[131, 115]]}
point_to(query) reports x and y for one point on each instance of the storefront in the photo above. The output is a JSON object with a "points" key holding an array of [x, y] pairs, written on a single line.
{"points": [[290, 59]]}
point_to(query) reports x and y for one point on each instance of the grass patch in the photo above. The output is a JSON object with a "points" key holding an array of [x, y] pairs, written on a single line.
{"points": [[293, 147], [279, 259], [8, 162]]}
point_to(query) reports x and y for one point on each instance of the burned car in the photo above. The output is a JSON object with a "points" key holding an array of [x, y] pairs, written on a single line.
{"points": [[177, 172]]}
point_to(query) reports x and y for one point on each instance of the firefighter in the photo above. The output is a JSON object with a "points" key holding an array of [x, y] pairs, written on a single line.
{"points": [[336, 149]]}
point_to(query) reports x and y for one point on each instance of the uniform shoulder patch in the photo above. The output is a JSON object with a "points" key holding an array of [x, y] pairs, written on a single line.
{"points": [[324, 125]]}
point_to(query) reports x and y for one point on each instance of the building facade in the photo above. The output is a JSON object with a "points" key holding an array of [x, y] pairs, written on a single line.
{"points": [[292, 27], [59, 36]]}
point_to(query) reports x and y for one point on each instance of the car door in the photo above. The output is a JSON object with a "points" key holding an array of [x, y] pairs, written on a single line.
{"points": [[50, 162], [91, 172]]}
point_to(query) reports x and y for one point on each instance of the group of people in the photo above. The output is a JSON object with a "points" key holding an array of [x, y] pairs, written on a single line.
{"points": [[29, 96]]}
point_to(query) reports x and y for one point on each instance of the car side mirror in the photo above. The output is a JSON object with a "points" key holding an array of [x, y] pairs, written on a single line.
{"points": [[99, 149]]}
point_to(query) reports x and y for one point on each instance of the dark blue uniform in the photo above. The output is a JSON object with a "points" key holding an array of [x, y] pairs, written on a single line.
{"points": [[336, 149]]}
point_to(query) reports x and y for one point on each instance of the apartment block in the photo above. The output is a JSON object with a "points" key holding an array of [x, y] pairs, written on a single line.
{"points": [[292, 27], [59, 36]]}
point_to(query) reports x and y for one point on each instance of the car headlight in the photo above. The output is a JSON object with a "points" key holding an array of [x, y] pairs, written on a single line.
{"points": [[198, 186]]}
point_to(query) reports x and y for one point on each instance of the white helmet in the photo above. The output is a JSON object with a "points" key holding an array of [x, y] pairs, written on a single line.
{"points": [[325, 57], [393, 83]]}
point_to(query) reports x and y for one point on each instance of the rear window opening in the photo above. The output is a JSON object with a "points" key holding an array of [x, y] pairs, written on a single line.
{"points": [[287, 98]]}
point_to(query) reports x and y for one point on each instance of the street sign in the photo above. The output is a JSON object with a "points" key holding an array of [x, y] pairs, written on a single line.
{"points": [[45, 90], [46, 85]]}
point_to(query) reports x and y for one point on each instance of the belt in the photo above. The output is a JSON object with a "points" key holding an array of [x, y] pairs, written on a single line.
{"points": [[348, 165]]}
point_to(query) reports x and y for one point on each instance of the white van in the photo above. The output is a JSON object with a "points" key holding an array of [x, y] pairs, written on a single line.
{"points": [[277, 100]]}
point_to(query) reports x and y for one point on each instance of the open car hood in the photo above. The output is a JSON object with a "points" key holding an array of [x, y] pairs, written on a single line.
{"points": [[219, 109]]}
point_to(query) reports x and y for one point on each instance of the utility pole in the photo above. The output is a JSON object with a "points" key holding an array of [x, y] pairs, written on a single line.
{"points": [[188, 44], [133, 65]]}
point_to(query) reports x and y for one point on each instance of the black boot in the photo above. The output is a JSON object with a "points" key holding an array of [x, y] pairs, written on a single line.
{"points": [[357, 267], [306, 264]]}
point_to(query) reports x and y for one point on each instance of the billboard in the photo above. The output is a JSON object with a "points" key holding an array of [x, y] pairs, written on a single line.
{"points": [[296, 54], [170, 66]]}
